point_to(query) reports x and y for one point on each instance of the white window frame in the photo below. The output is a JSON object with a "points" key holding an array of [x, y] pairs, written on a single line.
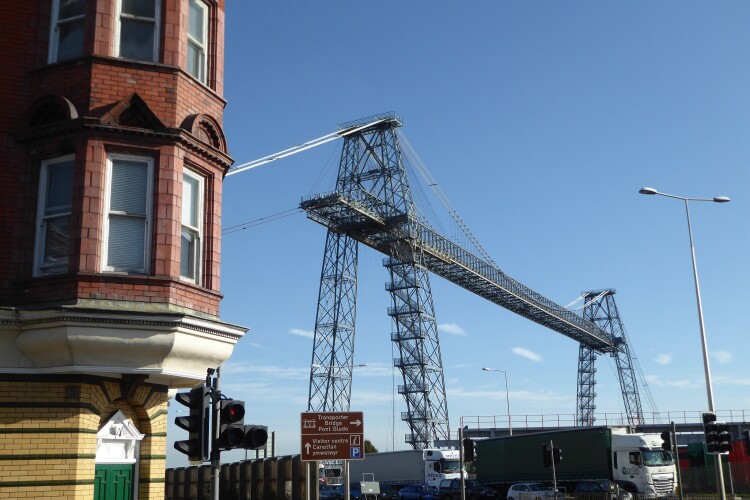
{"points": [[41, 218], [203, 70], [54, 34], [111, 158], [157, 28], [198, 250]]}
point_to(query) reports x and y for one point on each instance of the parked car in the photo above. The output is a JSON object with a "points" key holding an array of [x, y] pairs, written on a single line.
{"points": [[418, 492], [355, 491], [388, 492], [531, 491], [327, 492], [450, 489], [600, 489]]}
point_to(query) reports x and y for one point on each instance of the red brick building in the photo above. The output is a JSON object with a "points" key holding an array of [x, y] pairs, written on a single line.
{"points": [[112, 158]]}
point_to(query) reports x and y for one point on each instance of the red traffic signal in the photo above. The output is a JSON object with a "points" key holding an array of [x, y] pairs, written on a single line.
{"points": [[232, 411], [231, 428], [234, 433]]}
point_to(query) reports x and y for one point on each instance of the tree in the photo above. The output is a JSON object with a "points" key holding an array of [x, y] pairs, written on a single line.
{"points": [[369, 447]]}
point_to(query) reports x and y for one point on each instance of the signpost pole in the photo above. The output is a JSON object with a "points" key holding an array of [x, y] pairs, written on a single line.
{"points": [[309, 480], [346, 478]]}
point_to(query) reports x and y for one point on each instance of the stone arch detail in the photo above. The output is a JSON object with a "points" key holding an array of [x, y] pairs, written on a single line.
{"points": [[48, 110], [206, 129]]}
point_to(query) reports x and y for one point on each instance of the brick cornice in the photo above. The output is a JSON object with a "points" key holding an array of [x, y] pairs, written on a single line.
{"points": [[167, 135]]}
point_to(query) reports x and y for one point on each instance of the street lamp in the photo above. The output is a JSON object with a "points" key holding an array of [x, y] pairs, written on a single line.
{"points": [[707, 370], [507, 395]]}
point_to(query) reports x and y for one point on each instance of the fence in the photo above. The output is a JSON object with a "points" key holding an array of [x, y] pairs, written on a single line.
{"points": [[570, 419], [277, 478], [701, 480]]}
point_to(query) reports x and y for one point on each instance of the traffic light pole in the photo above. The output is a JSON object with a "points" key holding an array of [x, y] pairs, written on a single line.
{"points": [[554, 474], [215, 451], [673, 431], [461, 461]]}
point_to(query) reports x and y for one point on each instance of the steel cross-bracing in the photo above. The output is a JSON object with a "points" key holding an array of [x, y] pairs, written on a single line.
{"points": [[600, 308], [372, 204]]}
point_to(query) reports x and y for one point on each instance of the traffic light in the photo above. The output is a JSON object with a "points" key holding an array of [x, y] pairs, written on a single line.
{"points": [[231, 428], [666, 438], [256, 437], [196, 446], [723, 438], [469, 450], [233, 433], [709, 430], [557, 455], [718, 439], [547, 455], [746, 435]]}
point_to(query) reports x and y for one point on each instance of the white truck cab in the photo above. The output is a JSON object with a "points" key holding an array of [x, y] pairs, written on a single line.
{"points": [[441, 464], [639, 464]]}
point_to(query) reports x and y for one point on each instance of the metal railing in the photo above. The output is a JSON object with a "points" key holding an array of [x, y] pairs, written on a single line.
{"points": [[555, 420]]}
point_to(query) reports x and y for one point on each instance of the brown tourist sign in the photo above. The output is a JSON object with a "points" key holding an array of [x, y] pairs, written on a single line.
{"points": [[332, 435]]}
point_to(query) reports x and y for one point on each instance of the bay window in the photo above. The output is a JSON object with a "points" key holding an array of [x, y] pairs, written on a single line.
{"points": [[127, 227], [52, 246], [192, 222], [197, 43], [138, 29], [66, 29]]}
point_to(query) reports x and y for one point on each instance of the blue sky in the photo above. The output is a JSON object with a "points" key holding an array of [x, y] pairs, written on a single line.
{"points": [[540, 120]]}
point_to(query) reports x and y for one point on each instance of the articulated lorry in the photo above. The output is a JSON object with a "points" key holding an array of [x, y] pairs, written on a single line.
{"points": [[400, 468], [634, 461]]}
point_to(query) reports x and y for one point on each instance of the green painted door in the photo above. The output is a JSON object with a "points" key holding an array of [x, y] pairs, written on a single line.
{"points": [[113, 482]]}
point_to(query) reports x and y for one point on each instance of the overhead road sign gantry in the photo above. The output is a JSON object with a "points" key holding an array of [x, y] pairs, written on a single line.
{"points": [[332, 435]]}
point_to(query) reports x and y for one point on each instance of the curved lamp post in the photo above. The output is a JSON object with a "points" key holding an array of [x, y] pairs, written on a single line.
{"points": [[706, 368], [507, 395]]}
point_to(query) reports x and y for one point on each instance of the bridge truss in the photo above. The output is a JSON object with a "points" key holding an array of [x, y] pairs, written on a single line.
{"points": [[372, 204]]}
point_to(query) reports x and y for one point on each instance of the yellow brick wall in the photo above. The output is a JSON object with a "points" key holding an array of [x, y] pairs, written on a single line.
{"points": [[48, 429]]}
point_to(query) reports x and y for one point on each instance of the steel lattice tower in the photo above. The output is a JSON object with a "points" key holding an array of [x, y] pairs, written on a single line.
{"points": [[333, 344], [372, 176], [600, 308]]}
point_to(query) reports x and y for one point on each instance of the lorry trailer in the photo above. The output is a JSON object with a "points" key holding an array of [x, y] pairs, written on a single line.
{"points": [[635, 461], [399, 468]]}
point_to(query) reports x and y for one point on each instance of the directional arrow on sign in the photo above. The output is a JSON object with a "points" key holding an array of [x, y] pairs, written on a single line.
{"points": [[307, 447], [356, 422]]}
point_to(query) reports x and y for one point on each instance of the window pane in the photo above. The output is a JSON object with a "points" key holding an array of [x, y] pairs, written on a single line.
{"points": [[126, 243], [129, 182], [57, 241], [137, 39], [70, 40], [71, 8], [187, 253], [190, 186], [140, 8], [196, 21], [195, 61], [59, 188]]}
